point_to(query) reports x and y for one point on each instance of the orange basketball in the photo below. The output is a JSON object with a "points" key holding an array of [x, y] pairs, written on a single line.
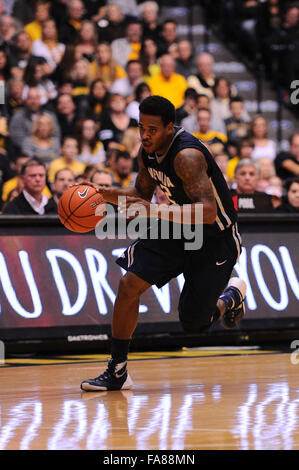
{"points": [[77, 207]]}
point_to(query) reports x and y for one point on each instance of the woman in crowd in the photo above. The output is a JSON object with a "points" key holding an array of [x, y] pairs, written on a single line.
{"points": [[88, 40], [291, 201], [115, 121], [142, 91], [35, 75], [148, 58], [91, 150], [263, 146], [49, 47], [80, 76], [42, 144], [104, 67]]}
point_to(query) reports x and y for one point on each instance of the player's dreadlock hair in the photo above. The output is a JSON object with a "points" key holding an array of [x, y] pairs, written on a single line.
{"points": [[158, 106]]}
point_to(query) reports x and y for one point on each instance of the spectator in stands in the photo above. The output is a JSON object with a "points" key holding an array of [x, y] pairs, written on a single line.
{"points": [[287, 163], [131, 143], [167, 83], [203, 80], [213, 139], [185, 62], [88, 40], [7, 29], [70, 27], [81, 79], [48, 46], [128, 48], [149, 16], [15, 100], [96, 102], [20, 52], [189, 107], [115, 121], [68, 159], [245, 196], [63, 179], [266, 172], [42, 144], [237, 127], [126, 86], [148, 58], [32, 201], [168, 36], [112, 26], [291, 201], [20, 125], [123, 177], [245, 149], [190, 122], [66, 108], [41, 14], [36, 75], [263, 146], [220, 104], [91, 150], [142, 91], [102, 178], [128, 8], [104, 67]]}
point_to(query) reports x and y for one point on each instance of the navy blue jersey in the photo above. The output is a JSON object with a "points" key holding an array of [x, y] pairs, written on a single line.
{"points": [[162, 171]]}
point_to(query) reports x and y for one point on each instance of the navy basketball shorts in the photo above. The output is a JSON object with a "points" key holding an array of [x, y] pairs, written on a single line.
{"points": [[206, 271]]}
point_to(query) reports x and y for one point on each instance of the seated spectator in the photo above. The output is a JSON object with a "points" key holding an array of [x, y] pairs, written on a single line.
{"points": [[287, 163], [35, 75], [168, 37], [41, 14], [263, 146], [69, 29], [20, 53], [189, 107], [245, 149], [32, 201], [213, 139], [115, 121], [131, 142], [167, 83], [126, 86], [123, 177], [8, 28], [15, 100], [66, 108], [91, 150], [266, 172], [149, 59], [104, 67], [112, 25], [203, 80], [80, 76], [291, 201], [48, 46], [245, 196], [96, 102], [142, 91], [185, 61], [20, 125], [88, 40], [149, 19], [102, 178], [220, 104], [42, 144], [237, 126], [63, 179], [128, 8], [128, 48], [190, 122], [68, 159]]}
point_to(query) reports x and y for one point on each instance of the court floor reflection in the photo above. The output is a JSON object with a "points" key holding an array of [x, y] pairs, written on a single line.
{"points": [[248, 402]]}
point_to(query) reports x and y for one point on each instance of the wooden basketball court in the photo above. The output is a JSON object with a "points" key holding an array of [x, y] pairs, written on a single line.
{"points": [[190, 400]]}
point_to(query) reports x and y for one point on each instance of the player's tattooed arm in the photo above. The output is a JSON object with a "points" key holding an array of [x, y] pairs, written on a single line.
{"points": [[191, 166], [144, 185]]}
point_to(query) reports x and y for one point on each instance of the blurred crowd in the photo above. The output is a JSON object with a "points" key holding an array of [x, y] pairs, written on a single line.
{"points": [[74, 74]]}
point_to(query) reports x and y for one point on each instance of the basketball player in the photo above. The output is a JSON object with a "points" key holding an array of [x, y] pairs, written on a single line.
{"points": [[186, 171]]}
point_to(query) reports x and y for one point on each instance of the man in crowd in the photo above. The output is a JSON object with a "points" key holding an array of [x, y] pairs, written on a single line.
{"points": [[63, 179], [32, 201]]}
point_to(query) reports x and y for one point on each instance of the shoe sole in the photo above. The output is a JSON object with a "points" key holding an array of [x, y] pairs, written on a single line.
{"points": [[87, 387]]}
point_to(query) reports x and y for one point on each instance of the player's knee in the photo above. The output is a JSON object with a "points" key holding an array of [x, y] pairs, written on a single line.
{"points": [[130, 287]]}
